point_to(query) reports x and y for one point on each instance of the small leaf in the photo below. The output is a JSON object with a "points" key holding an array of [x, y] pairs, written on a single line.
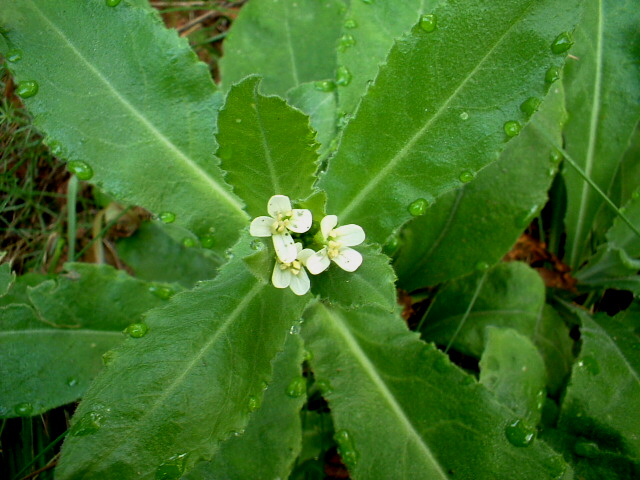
{"points": [[417, 410], [266, 147], [288, 43], [7, 277], [426, 127]]}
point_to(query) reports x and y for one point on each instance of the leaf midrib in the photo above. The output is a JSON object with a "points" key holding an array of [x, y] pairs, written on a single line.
{"points": [[219, 189], [370, 370], [404, 151]]}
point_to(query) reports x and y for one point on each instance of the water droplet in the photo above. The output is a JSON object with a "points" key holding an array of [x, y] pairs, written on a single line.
{"points": [[418, 207], [14, 55], [228, 254], [343, 120], [512, 128], [294, 330], [238, 120], [23, 409], [552, 74], [297, 387], [350, 23], [428, 23], [80, 169], [189, 242], [88, 424], [72, 381], [253, 403], [167, 217], [27, 88], [520, 434], [173, 468], [590, 364], [324, 386], [482, 266], [346, 41], [346, 448], [562, 43], [392, 244], [530, 106], [256, 245], [55, 148], [541, 395], [112, 3], [464, 116], [343, 76], [161, 291], [325, 85], [108, 358], [136, 330], [466, 176], [207, 241], [556, 157]]}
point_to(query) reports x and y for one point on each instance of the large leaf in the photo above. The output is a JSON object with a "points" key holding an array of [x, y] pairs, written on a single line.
{"points": [[271, 441], [603, 98], [266, 147], [402, 410], [51, 350], [129, 104], [602, 400], [168, 398], [289, 42], [369, 31], [480, 221], [437, 111]]}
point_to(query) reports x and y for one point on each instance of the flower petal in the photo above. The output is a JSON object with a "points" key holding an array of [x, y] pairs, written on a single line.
{"points": [[278, 204], [300, 221], [261, 226], [318, 262], [300, 283], [350, 235], [281, 278], [327, 224], [285, 247], [348, 259], [304, 255]]}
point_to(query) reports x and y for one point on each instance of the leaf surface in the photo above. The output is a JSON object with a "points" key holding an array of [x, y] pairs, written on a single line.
{"points": [[603, 96], [436, 113], [139, 110], [266, 147], [287, 42], [402, 410], [479, 222], [167, 399]]}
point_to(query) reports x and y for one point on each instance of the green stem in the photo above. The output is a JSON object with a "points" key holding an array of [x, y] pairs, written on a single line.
{"points": [[469, 308], [72, 197], [103, 231], [37, 457]]}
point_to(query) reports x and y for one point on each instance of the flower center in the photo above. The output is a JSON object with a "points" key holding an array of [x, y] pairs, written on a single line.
{"points": [[294, 267], [281, 223], [333, 248]]}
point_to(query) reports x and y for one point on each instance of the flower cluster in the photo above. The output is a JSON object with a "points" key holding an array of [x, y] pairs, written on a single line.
{"points": [[291, 258]]}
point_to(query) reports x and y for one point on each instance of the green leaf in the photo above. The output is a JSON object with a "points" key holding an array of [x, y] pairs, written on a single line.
{"points": [[402, 410], [168, 398], [478, 223], [369, 31], [154, 253], [603, 98], [602, 400], [7, 277], [551, 336], [427, 127], [128, 102], [266, 147], [273, 435], [286, 42], [513, 369], [51, 349]]}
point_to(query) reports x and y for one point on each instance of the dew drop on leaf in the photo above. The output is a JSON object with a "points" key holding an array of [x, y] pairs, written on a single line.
{"points": [[23, 409], [256, 245], [555, 157], [482, 266], [80, 169], [173, 468], [512, 128], [136, 330], [253, 403], [14, 56], [530, 106], [552, 74], [161, 291], [520, 434], [325, 85], [324, 386], [343, 76], [207, 241], [112, 3], [346, 41], [167, 217], [108, 358], [346, 448], [88, 424], [27, 88], [464, 116], [350, 23], [392, 244], [562, 43], [72, 382], [428, 23], [55, 148], [418, 207], [466, 176], [297, 387], [189, 242]]}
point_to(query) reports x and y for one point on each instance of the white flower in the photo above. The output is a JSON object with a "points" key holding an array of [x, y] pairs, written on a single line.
{"points": [[337, 242], [292, 274], [283, 220]]}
